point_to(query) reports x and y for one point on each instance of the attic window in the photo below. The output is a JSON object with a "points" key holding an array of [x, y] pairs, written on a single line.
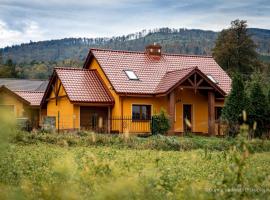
{"points": [[131, 75], [212, 79]]}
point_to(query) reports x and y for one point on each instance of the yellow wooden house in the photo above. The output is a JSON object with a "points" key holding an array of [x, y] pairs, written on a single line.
{"points": [[21, 105], [119, 91]]}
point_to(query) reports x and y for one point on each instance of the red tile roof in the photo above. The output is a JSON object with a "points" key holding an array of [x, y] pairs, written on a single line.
{"points": [[33, 97], [152, 69], [83, 85], [172, 78]]}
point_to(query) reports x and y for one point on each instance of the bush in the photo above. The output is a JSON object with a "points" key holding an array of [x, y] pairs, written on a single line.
{"points": [[160, 123]]}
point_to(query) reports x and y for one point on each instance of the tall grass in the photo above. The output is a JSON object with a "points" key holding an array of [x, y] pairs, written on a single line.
{"points": [[45, 171], [156, 142], [95, 166]]}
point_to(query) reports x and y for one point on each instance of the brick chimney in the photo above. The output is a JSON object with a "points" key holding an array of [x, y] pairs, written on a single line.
{"points": [[153, 49]]}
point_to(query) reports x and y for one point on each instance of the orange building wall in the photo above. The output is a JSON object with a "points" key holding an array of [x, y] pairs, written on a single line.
{"points": [[199, 110], [21, 109], [68, 113], [156, 104], [19, 106]]}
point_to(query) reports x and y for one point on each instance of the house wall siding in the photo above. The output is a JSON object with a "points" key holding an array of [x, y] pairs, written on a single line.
{"points": [[199, 110], [68, 114], [20, 109]]}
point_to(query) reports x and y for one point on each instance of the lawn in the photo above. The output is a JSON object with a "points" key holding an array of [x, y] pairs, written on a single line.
{"points": [[31, 170]]}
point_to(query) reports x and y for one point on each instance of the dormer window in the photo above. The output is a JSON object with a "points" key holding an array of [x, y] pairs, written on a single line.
{"points": [[131, 75], [212, 79]]}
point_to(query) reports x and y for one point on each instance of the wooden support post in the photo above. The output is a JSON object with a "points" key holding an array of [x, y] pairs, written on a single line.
{"points": [[172, 110], [79, 118], [122, 111], [109, 120], [211, 113], [58, 122]]}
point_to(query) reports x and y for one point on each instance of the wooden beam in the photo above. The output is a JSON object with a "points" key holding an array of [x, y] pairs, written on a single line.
{"points": [[220, 99], [190, 81], [187, 87], [122, 113], [172, 110], [205, 88], [54, 91], [58, 90], [211, 113], [109, 119], [59, 97], [201, 88], [53, 88], [195, 83], [199, 83]]}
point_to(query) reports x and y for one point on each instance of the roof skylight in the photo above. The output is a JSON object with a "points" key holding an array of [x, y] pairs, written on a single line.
{"points": [[212, 79], [131, 75]]}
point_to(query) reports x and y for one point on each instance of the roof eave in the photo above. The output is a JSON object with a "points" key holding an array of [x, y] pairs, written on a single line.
{"points": [[96, 103]]}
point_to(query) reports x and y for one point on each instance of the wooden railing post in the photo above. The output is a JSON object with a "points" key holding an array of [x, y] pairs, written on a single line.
{"points": [[172, 110], [109, 120], [211, 113]]}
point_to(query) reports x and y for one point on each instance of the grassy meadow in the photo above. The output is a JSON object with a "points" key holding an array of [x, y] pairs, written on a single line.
{"points": [[91, 166]]}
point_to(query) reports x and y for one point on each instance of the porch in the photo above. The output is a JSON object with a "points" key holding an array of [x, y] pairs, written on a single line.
{"points": [[195, 104]]}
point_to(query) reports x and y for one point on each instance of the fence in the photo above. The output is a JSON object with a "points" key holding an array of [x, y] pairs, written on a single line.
{"points": [[100, 124], [128, 124], [97, 124], [60, 121]]}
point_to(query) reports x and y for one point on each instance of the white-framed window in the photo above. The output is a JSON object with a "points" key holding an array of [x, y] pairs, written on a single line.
{"points": [[131, 75]]}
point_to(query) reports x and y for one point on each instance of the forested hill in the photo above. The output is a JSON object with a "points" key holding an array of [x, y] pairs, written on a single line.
{"points": [[185, 41]]}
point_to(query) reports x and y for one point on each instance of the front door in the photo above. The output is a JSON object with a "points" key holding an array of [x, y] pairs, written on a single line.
{"points": [[187, 116]]}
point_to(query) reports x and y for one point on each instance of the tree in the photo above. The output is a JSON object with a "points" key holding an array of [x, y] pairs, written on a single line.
{"points": [[12, 68], [258, 107], [268, 113], [235, 103], [234, 49], [269, 96]]}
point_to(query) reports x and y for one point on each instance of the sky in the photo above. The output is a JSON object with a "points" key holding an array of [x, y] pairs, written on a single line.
{"points": [[36, 20]]}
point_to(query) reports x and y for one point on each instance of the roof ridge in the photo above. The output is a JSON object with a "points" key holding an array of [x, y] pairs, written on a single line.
{"points": [[181, 70], [187, 55], [143, 52], [120, 51]]}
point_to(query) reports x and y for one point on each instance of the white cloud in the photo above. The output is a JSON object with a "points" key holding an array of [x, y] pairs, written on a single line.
{"points": [[31, 31], [22, 21]]}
